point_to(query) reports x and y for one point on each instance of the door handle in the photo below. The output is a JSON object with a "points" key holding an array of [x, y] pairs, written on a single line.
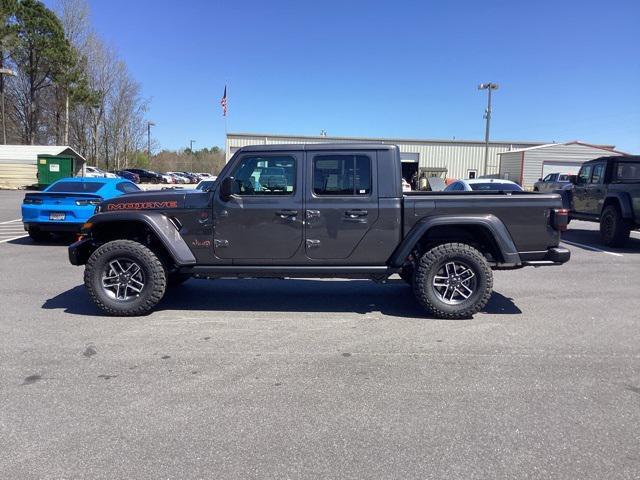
{"points": [[287, 213], [357, 213]]}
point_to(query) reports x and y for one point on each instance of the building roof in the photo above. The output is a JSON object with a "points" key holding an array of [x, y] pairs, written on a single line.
{"points": [[29, 153], [329, 138], [609, 148]]}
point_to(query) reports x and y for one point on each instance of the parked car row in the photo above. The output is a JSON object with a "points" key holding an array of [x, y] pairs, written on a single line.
{"points": [[141, 175]]}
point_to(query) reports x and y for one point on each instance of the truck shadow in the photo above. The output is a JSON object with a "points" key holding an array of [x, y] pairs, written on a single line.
{"points": [[591, 238], [357, 296]]}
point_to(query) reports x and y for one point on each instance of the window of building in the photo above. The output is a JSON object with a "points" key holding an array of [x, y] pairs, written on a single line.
{"points": [[342, 175], [471, 174], [265, 176]]}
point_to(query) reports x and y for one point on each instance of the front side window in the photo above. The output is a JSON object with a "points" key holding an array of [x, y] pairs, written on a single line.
{"points": [[265, 176], [585, 174], [627, 172], [598, 173], [548, 178], [341, 175]]}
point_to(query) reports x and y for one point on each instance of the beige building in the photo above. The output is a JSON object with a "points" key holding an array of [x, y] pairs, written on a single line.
{"points": [[18, 163], [526, 165]]}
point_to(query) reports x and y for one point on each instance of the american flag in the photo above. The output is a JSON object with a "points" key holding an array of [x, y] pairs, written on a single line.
{"points": [[223, 102]]}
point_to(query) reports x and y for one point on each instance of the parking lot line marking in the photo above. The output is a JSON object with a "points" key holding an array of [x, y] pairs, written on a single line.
{"points": [[11, 221], [594, 249], [14, 238]]}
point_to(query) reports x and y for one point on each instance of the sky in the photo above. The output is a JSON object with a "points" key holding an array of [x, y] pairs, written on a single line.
{"points": [[566, 69]]}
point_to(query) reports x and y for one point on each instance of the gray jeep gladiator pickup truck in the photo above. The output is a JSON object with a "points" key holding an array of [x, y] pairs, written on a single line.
{"points": [[607, 190], [316, 210]]}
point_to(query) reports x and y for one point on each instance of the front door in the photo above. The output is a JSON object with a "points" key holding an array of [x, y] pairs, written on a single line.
{"points": [[580, 197], [595, 192], [263, 217], [341, 202]]}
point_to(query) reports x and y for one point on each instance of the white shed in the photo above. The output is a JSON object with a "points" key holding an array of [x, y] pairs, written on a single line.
{"points": [[526, 165], [18, 163]]}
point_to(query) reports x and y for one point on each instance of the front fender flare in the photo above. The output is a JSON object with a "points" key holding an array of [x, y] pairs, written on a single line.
{"points": [[493, 224], [159, 224]]}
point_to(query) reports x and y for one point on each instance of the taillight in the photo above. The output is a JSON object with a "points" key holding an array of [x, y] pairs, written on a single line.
{"points": [[32, 201], [560, 219]]}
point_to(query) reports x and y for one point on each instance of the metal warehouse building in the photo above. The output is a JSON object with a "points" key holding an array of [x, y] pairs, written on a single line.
{"points": [[460, 158], [18, 163], [526, 165]]}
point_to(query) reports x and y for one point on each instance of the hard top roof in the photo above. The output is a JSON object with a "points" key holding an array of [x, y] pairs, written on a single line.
{"points": [[611, 158], [317, 146]]}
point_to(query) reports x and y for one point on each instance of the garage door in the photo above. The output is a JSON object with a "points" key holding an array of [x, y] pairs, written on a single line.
{"points": [[570, 168]]}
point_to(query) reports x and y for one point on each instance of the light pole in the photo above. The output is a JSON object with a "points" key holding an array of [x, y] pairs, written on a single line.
{"points": [[191, 142], [11, 73], [149, 125], [487, 115]]}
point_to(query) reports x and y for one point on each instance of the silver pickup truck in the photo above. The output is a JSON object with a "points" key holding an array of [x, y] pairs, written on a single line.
{"points": [[316, 210]]}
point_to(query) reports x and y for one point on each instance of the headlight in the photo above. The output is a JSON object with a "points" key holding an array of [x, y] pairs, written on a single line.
{"points": [[84, 203]]}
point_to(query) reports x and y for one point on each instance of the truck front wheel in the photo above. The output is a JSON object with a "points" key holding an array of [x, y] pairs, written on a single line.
{"points": [[125, 278], [453, 281], [614, 230]]}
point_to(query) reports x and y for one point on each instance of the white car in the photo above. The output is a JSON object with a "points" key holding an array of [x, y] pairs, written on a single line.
{"points": [[483, 185], [95, 172], [178, 177]]}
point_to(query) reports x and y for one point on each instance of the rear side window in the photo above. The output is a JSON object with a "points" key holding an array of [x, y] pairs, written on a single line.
{"points": [[342, 175], [627, 172], [127, 187], [75, 187]]}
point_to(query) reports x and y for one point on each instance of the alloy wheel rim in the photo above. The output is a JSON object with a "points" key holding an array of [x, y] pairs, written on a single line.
{"points": [[123, 279], [454, 282]]}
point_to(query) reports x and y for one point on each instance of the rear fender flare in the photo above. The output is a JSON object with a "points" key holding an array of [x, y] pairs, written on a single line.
{"points": [[160, 225], [623, 200], [491, 223]]}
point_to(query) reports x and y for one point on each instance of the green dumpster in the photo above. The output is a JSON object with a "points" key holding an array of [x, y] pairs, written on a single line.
{"points": [[54, 167]]}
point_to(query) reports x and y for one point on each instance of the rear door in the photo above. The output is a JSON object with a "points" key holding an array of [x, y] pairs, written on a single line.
{"points": [[263, 217], [341, 202]]}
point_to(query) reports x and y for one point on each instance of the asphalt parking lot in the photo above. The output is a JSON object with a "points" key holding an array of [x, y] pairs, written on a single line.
{"points": [[324, 379]]}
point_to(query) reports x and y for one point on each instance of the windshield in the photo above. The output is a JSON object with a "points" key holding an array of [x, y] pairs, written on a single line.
{"points": [[504, 187], [75, 187]]}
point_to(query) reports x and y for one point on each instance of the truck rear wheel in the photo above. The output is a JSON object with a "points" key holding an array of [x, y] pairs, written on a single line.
{"points": [[453, 280], [614, 230], [125, 278]]}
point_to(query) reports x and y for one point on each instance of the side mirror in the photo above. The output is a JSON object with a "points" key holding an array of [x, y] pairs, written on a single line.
{"points": [[226, 188], [539, 179]]}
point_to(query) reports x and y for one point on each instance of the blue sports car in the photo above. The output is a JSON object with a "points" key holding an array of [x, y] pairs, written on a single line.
{"points": [[65, 205]]}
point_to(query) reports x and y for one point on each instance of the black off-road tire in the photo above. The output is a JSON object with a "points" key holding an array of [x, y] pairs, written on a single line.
{"points": [[614, 230], [432, 261], [152, 268], [38, 235]]}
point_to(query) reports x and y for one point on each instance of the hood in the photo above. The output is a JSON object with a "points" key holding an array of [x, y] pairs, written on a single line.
{"points": [[152, 200]]}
